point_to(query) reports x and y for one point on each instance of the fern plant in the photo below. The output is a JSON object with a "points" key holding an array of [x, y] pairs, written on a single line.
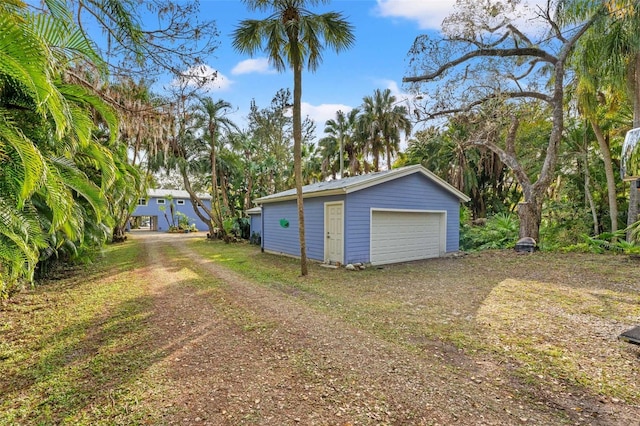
{"points": [[499, 231], [607, 242]]}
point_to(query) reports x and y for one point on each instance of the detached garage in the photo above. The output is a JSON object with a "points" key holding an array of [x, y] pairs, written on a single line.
{"points": [[387, 217], [399, 236]]}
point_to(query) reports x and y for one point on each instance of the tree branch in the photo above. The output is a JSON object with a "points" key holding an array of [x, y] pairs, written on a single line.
{"points": [[482, 45], [509, 95], [510, 161], [480, 53]]}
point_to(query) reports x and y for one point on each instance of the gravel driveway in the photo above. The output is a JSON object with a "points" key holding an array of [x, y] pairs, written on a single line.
{"points": [[241, 353]]}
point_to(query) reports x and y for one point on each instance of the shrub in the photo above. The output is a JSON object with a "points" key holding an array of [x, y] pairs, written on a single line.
{"points": [[606, 242], [499, 231]]}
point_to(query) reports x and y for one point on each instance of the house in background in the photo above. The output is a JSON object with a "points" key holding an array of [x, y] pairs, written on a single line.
{"points": [[151, 210], [255, 224], [387, 217]]}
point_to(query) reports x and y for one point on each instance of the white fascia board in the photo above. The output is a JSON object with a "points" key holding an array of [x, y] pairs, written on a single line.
{"points": [[406, 172], [314, 194], [392, 175]]}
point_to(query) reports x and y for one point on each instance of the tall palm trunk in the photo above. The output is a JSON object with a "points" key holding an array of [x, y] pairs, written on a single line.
{"points": [[215, 199], [297, 160], [634, 198], [294, 39], [376, 159], [247, 195], [587, 193], [608, 169], [197, 203], [224, 192]]}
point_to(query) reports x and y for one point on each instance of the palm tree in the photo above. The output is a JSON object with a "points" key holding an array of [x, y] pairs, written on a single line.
{"points": [[383, 121], [331, 154], [312, 160], [245, 149], [212, 117], [612, 47], [26, 81], [590, 101], [294, 39], [341, 134], [55, 170], [123, 195], [397, 121], [371, 123]]}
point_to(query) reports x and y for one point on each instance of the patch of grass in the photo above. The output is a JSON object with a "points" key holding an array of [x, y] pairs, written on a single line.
{"points": [[554, 316], [209, 286], [72, 350], [369, 299], [564, 333]]}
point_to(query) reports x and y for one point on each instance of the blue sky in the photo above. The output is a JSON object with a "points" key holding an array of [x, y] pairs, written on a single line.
{"points": [[384, 32]]}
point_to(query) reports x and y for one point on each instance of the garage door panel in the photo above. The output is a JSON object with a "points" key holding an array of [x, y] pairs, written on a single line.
{"points": [[405, 236]]}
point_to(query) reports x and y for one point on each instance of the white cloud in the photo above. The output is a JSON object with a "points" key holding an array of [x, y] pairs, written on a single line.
{"points": [[321, 113], [209, 79], [392, 85], [430, 13], [250, 66]]}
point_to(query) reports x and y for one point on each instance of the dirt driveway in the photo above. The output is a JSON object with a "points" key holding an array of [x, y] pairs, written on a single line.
{"points": [[247, 354]]}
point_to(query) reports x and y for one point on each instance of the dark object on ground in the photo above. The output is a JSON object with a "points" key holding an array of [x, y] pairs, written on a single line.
{"points": [[119, 239], [526, 245], [255, 238], [631, 336]]}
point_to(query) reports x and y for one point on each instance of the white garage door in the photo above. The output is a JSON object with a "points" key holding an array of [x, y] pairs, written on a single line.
{"points": [[404, 236]]}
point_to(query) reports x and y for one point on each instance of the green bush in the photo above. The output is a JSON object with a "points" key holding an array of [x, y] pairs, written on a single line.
{"points": [[183, 221], [606, 242], [499, 231]]}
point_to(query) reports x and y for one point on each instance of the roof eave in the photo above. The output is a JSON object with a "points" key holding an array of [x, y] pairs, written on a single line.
{"points": [[437, 179], [314, 194], [372, 182], [406, 172]]}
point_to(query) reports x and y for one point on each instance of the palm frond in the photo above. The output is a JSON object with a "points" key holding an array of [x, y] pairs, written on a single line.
{"points": [[31, 165], [74, 178], [27, 60], [57, 197], [65, 40], [92, 103]]}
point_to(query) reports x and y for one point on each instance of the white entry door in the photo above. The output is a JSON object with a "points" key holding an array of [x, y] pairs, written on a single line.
{"points": [[334, 232]]}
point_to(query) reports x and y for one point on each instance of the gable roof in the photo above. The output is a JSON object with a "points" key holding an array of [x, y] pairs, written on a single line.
{"points": [[174, 193], [356, 183]]}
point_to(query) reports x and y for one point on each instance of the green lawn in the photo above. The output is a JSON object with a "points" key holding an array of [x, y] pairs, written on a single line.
{"points": [[72, 351], [78, 350], [555, 316]]}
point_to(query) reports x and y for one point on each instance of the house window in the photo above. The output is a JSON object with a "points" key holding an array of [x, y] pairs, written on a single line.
{"points": [[160, 200], [142, 201], [180, 202]]}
